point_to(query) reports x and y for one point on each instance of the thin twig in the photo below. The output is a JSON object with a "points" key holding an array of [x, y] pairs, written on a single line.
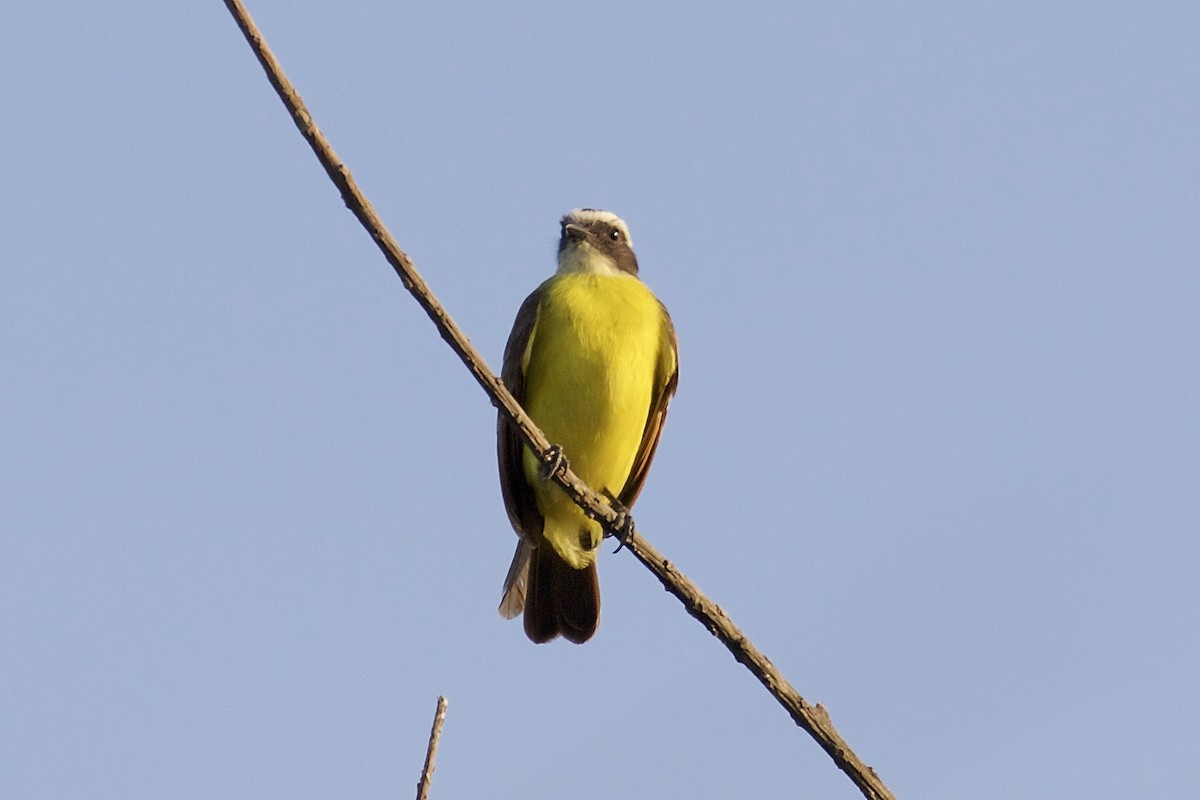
{"points": [[435, 734], [813, 719]]}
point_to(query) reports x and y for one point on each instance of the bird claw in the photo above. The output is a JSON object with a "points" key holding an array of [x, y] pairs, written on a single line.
{"points": [[553, 460], [622, 527]]}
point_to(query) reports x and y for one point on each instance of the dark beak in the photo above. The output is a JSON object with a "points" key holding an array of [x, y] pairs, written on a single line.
{"points": [[575, 231]]}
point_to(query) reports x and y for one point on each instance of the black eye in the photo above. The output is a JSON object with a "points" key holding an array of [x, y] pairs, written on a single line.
{"points": [[615, 235]]}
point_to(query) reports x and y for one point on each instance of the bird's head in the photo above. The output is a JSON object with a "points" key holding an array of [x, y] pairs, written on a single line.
{"points": [[596, 242]]}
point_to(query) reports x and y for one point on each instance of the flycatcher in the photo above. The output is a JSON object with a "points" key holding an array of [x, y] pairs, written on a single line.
{"points": [[593, 359]]}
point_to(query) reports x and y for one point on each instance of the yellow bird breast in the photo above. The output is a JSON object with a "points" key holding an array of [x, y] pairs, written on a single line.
{"points": [[590, 371]]}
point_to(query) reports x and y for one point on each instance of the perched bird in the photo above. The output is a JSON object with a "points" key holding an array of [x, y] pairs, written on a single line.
{"points": [[593, 359]]}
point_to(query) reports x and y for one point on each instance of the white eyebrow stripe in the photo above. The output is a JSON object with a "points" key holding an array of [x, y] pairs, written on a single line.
{"points": [[584, 216]]}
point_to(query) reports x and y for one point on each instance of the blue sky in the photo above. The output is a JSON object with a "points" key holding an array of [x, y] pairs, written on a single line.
{"points": [[936, 448]]}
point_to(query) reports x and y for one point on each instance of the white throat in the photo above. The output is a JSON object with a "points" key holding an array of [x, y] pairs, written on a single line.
{"points": [[582, 257]]}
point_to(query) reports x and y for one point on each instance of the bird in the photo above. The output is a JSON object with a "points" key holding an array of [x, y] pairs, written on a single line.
{"points": [[594, 360]]}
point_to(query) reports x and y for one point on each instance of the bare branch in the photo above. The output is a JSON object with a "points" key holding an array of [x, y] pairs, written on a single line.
{"points": [[813, 719], [439, 718]]}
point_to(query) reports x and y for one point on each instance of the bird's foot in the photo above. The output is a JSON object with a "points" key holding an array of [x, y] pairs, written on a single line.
{"points": [[553, 460], [622, 528]]}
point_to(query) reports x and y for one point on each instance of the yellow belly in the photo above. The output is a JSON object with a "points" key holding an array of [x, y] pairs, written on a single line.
{"points": [[590, 373]]}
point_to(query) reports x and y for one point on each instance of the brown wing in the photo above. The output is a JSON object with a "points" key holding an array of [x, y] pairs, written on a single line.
{"points": [[666, 380], [518, 496]]}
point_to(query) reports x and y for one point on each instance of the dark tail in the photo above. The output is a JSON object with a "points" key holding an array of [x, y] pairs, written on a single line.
{"points": [[560, 599]]}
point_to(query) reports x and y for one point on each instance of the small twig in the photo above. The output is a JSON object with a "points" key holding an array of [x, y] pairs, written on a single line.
{"points": [[813, 719], [439, 717]]}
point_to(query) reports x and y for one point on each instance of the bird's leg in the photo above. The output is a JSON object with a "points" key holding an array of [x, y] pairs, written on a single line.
{"points": [[622, 528], [553, 460]]}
